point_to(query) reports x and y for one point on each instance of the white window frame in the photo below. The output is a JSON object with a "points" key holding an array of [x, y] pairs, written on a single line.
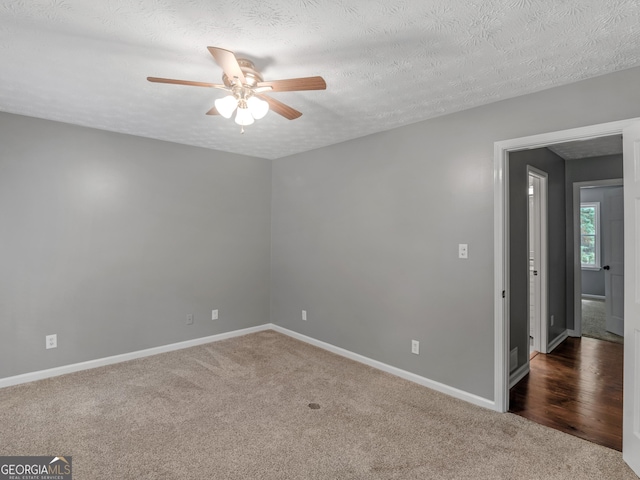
{"points": [[597, 266]]}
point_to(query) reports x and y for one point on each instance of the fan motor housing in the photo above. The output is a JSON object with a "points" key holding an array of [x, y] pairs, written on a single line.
{"points": [[251, 75]]}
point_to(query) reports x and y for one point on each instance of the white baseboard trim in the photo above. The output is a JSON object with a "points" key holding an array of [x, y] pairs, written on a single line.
{"points": [[557, 341], [100, 362], [588, 296], [412, 377], [518, 375]]}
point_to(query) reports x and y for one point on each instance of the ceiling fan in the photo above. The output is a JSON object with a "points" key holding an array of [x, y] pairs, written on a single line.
{"points": [[247, 89]]}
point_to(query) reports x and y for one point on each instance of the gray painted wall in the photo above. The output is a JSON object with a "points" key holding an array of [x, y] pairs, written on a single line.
{"points": [[593, 282], [110, 240], [365, 233], [547, 161], [583, 170]]}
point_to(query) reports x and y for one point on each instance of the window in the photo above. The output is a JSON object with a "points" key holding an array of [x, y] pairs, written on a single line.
{"points": [[590, 234]]}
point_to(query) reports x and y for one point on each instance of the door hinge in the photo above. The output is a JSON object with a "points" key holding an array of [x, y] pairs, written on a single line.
{"points": [[503, 293]]}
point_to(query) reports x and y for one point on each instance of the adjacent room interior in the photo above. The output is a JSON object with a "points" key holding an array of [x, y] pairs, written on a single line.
{"points": [[576, 385], [306, 286]]}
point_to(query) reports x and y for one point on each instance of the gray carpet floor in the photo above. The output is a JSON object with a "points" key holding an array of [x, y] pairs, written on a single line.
{"points": [[593, 321], [265, 406]]}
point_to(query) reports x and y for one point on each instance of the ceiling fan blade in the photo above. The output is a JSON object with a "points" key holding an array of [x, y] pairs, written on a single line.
{"points": [[229, 63], [213, 111], [185, 82], [295, 84], [263, 88], [280, 108]]}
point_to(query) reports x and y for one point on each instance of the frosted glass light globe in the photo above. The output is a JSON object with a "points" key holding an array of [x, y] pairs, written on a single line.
{"points": [[257, 107], [226, 105], [244, 117]]}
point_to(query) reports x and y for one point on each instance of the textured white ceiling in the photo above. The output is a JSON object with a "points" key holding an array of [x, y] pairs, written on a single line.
{"points": [[387, 63], [594, 147]]}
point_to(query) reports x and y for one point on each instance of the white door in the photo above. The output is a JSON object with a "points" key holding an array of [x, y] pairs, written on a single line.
{"points": [[538, 261], [534, 267], [631, 417], [613, 240]]}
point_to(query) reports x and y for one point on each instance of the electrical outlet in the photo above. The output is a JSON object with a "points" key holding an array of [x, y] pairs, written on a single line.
{"points": [[415, 347], [190, 319], [51, 341], [214, 314], [463, 250], [304, 315]]}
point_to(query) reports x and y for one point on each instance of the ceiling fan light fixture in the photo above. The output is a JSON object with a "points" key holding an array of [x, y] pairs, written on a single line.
{"points": [[243, 116], [257, 107], [226, 105], [246, 89]]}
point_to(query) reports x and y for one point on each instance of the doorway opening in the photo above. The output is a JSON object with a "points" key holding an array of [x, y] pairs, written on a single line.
{"points": [[599, 261], [501, 234], [631, 175]]}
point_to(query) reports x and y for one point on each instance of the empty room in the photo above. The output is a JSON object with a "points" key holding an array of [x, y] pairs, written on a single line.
{"points": [[288, 239]]}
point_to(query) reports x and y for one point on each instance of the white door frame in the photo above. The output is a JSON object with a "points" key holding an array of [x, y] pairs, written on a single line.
{"points": [[501, 237], [577, 263], [541, 211], [631, 390]]}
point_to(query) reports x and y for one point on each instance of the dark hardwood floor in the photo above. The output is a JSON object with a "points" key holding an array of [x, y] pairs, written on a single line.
{"points": [[577, 389]]}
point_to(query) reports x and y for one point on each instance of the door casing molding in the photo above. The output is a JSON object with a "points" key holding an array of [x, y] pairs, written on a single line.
{"points": [[501, 236]]}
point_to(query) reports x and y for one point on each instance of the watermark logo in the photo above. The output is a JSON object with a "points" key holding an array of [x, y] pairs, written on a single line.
{"points": [[36, 468]]}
